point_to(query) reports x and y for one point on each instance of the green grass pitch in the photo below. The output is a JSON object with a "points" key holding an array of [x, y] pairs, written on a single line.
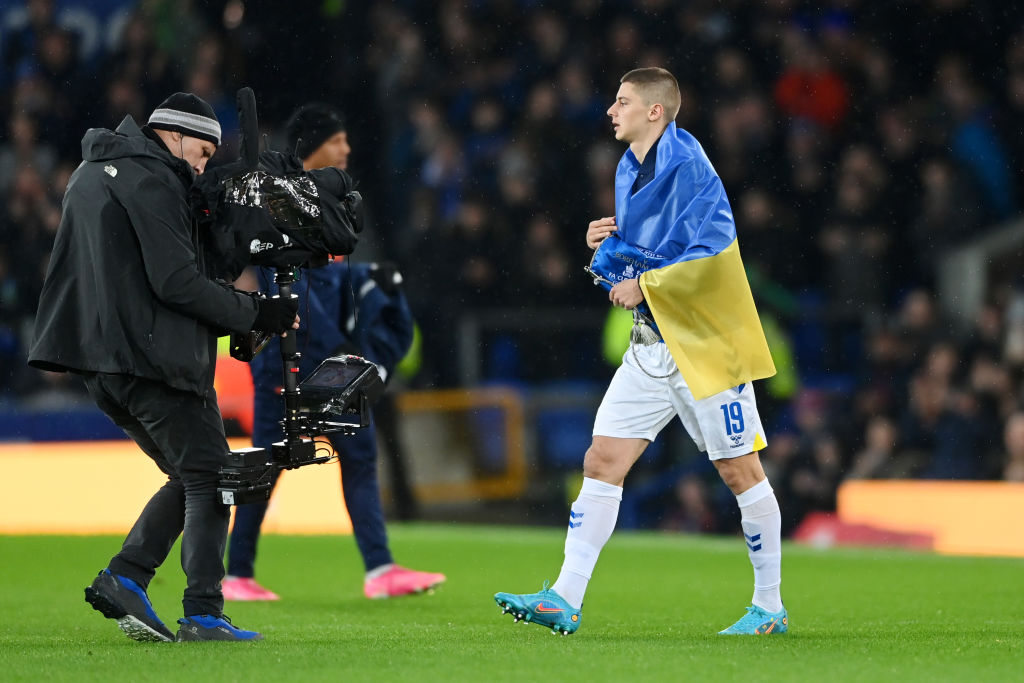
{"points": [[651, 614]]}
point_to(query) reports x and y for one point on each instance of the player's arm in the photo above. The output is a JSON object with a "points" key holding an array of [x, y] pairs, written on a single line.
{"points": [[599, 229]]}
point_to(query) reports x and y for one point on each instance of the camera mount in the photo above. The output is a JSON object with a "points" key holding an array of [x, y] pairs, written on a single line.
{"points": [[265, 209], [336, 397]]}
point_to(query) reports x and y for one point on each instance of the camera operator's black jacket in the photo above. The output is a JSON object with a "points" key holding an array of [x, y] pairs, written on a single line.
{"points": [[126, 290]]}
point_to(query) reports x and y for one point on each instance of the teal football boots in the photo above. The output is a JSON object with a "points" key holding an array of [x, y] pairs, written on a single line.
{"points": [[546, 608], [758, 622]]}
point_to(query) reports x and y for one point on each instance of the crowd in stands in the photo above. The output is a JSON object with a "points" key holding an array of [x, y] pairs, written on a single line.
{"points": [[859, 142]]}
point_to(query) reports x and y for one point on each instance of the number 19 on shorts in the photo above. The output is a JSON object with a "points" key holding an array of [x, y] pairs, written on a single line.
{"points": [[733, 414]]}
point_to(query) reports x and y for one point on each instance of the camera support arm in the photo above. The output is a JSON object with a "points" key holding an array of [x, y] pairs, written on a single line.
{"points": [[295, 446]]}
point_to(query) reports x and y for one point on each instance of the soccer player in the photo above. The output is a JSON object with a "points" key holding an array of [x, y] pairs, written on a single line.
{"points": [[350, 312], [670, 254]]}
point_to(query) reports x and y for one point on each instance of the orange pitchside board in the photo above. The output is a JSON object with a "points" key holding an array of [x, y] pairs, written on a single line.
{"points": [[964, 518], [90, 487], [101, 487]]}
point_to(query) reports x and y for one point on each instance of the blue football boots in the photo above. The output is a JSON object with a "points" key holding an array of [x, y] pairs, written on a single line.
{"points": [[118, 597]]}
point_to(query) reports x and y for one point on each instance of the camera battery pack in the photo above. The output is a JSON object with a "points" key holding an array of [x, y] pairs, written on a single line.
{"points": [[242, 494], [247, 457]]}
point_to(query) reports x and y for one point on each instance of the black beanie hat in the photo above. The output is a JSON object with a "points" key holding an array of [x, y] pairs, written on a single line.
{"points": [[187, 114], [310, 126]]}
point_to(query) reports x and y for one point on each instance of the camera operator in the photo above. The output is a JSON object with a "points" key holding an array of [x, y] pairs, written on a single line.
{"points": [[349, 310], [127, 304]]}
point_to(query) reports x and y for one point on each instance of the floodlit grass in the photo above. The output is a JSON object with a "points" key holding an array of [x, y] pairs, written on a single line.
{"points": [[652, 612]]}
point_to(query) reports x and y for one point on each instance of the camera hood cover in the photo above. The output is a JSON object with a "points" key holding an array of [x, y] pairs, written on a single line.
{"points": [[264, 209]]}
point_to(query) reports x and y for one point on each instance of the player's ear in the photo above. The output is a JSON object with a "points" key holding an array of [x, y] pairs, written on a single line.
{"points": [[656, 112]]}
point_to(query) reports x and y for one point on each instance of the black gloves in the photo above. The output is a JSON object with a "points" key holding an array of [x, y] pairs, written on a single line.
{"points": [[275, 315]]}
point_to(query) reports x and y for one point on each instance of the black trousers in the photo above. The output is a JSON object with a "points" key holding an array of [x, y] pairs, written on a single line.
{"points": [[183, 433]]}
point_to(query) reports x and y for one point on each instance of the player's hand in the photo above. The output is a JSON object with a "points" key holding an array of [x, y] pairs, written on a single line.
{"points": [[599, 229], [626, 294]]}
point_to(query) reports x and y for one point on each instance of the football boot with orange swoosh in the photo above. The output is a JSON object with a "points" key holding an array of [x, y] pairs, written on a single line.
{"points": [[759, 622], [546, 608]]}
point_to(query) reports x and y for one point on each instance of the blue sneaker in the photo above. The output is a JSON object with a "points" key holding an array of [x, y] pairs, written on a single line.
{"points": [[758, 622], [118, 597], [209, 627], [546, 608]]}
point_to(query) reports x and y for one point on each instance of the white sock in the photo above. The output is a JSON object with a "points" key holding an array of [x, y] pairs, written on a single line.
{"points": [[762, 530], [378, 571], [591, 522]]}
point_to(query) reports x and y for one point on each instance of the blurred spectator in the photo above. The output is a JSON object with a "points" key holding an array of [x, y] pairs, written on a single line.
{"points": [[770, 235], [878, 459], [1014, 96], [815, 476], [11, 308], [30, 209], [986, 335], [972, 137], [742, 120], [690, 510], [485, 141], [1013, 440], [856, 244], [946, 209], [444, 172], [138, 62], [917, 322], [23, 147], [808, 88], [124, 97], [1013, 340], [941, 441], [807, 151], [901, 149]]}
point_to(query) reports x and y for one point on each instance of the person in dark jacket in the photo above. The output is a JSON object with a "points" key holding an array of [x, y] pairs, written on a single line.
{"points": [[349, 310], [127, 304]]}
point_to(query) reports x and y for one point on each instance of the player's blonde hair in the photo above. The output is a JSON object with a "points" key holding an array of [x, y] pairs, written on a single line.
{"points": [[656, 86]]}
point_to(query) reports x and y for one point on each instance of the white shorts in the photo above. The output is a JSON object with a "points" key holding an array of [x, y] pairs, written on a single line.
{"points": [[637, 406]]}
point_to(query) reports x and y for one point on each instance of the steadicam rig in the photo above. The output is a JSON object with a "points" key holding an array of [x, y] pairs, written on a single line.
{"points": [[336, 397], [266, 210]]}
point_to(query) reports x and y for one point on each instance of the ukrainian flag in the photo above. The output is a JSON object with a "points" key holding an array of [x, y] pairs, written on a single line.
{"points": [[701, 301], [705, 311]]}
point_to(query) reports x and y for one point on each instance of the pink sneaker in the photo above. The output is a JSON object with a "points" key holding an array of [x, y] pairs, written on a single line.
{"points": [[242, 589], [398, 581]]}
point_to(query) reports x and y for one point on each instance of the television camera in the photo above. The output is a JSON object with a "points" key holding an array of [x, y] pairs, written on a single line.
{"points": [[265, 210]]}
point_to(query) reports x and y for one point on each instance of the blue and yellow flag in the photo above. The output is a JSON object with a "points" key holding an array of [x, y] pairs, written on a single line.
{"points": [[700, 298]]}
